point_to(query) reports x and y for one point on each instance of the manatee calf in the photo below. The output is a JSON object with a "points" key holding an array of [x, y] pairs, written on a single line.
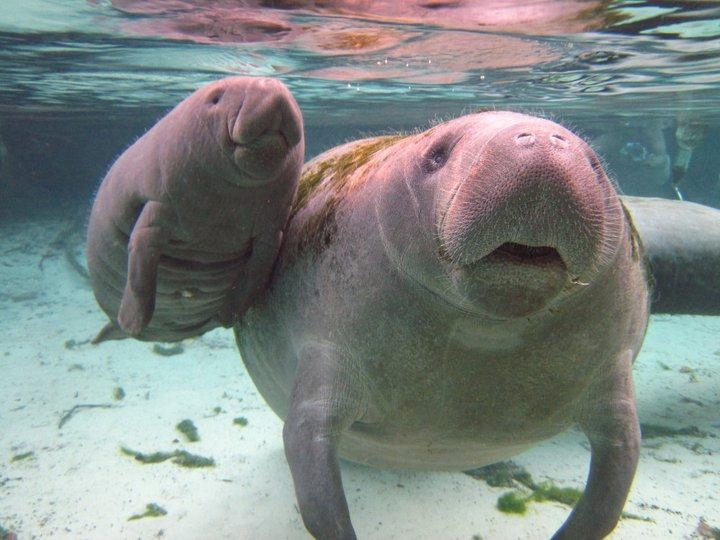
{"points": [[447, 299], [187, 223]]}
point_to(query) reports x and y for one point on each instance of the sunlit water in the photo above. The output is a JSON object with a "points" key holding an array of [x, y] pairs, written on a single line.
{"points": [[80, 80]]}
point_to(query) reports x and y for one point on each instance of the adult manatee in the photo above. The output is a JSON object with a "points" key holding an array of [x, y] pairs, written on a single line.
{"points": [[187, 223], [446, 300], [681, 241]]}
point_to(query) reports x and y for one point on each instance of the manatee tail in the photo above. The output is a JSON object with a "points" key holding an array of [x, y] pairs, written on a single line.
{"points": [[681, 241], [109, 332]]}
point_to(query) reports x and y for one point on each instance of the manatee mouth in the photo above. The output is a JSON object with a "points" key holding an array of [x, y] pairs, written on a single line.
{"points": [[257, 154], [254, 136], [277, 137], [514, 253]]}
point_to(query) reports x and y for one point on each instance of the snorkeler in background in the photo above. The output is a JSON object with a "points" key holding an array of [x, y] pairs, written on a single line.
{"points": [[638, 156], [671, 158], [689, 133]]}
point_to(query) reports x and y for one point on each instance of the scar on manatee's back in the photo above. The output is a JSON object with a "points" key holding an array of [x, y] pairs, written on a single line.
{"points": [[331, 179]]}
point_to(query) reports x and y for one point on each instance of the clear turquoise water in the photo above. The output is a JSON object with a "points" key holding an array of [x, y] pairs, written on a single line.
{"points": [[635, 57], [80, 79]]}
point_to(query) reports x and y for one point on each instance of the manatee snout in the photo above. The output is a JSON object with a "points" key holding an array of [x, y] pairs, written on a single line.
{"points": [[533, 216], [264, 124], [268, 108]]}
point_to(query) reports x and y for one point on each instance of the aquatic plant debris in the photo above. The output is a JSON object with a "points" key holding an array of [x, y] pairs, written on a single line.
{"points": [[215, 412], [69, 414], [22, 457], [192, 461], [240, 421], [652, 431], [151, 510], [187, 428], [71, 344], [510, 474], [515, 502], [503, 474], [178, 457]]}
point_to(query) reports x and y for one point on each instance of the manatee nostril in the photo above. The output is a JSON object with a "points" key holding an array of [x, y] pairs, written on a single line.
{"points": [[558, 141], [525, 139]]}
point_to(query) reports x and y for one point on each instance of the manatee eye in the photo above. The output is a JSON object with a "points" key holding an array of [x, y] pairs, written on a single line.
{"points": [[215, 97], [436, 156], [438, 153]]}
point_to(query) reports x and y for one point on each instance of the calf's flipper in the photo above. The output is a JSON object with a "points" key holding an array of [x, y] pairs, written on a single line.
{"points": [[250, 281], [147, 240]]}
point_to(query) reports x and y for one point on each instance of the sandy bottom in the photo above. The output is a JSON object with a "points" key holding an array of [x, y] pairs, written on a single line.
{"points": [[72, 481]]}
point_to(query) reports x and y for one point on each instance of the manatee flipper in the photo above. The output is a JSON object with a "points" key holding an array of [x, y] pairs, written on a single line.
{"points": [[322, 406], [609, 420], [681, 241], [251, 279], [147, 240]]}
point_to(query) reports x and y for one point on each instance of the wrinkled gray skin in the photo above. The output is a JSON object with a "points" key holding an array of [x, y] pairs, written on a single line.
{"points": [[188, 221], [447, 302]]}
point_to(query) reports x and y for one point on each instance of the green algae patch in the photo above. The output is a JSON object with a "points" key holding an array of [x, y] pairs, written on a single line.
{"points": [[328, 182], [547, 491], [309, 180], [509, 474], [338, 169], [151, 510], [512, 502], [515, 502], [182, 458], [187, 428], [240, 421]]}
